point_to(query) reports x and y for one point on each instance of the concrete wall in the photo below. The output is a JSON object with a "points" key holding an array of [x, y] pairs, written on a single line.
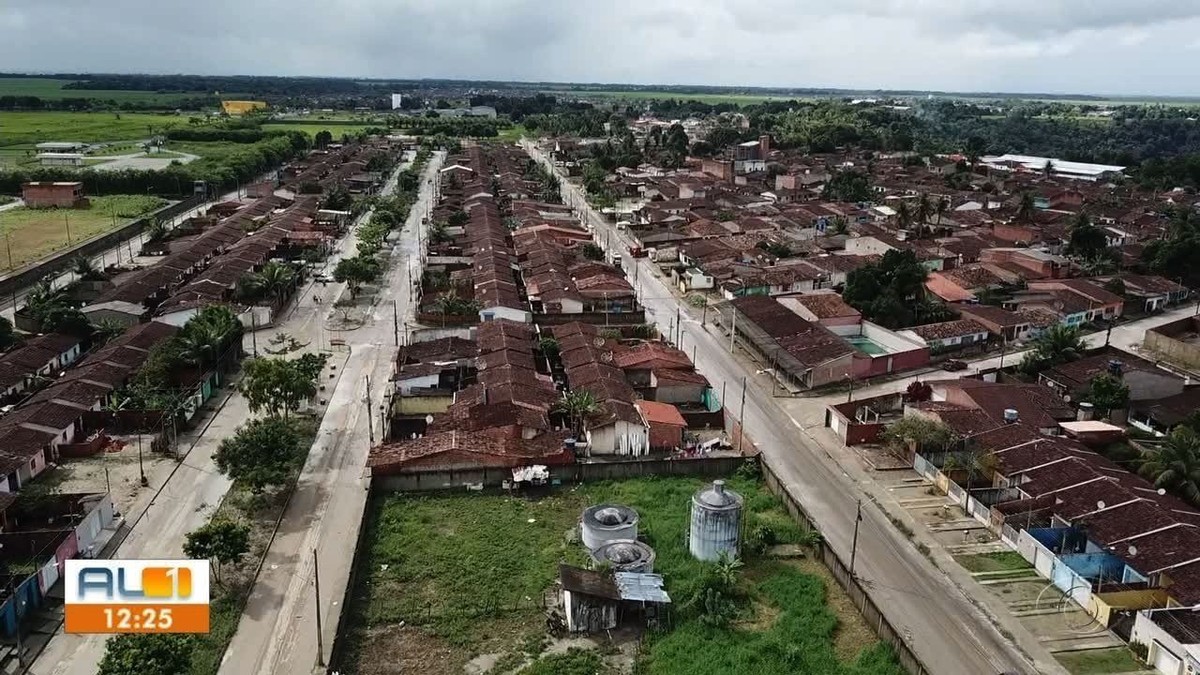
{"points": [[1164, 342], [1104, 604], [1147, 632], [572, 473]]}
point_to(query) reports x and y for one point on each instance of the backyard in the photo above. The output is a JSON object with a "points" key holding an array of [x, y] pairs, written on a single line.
{"points": [[457, 582], [32, 234]]}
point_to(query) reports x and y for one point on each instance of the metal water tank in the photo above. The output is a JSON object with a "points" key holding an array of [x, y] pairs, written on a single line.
{"points": [[626, 556], [716, 522], [603, 523]]}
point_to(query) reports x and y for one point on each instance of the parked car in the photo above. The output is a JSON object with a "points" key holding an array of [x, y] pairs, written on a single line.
{"points": [[954, 364]]}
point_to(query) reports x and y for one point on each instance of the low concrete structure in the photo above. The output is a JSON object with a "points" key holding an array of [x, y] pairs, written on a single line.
{"points": [[62, 194]]}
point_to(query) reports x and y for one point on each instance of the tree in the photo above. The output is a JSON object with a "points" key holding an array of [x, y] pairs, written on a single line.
{"points": [[322, 139], [7, 337], [105, 330], [579, 405], [276, 279], [1108, 392], [84, 269], [355, 272], [148, 654], [221, 542], [279, 385], [458, 218], [922, 212], [918, 392], [940, 208], [1085, 239], [1115, 285], [591, 251], [1027, 208], [974, 462], [1175, 466], [848, 186], [1057, 344], [1048, 169], [262, 453], [887, 291], [68, 320], [904, 217], [548, 346], [451, 304], [929, 435], [208, 335]]}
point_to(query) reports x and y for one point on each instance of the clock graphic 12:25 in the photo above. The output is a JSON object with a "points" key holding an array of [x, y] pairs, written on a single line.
{"points": [[137, 596]]}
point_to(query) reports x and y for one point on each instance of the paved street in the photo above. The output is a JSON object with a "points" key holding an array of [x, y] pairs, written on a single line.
{"points": [[196, 488], [278, 631], [948, 632]]}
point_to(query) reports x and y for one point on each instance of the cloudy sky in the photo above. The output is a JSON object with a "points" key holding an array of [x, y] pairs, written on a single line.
{"points": [[1071, 46]]}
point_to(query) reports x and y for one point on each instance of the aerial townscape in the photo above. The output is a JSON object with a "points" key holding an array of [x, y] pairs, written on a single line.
{"points": [[456, 366]]}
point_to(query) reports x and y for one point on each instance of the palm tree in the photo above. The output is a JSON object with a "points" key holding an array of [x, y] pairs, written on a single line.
{"points": [[208, 335], [1048, 169], [1176, 465], [903, 216], [1027, 208], [277, 278], [923, 211], [85, 270], [1058, 344], [106, 329], [940, 208], [840, 225], [579, 406]]}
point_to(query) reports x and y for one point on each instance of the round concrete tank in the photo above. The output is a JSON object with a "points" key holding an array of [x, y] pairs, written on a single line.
{"points": [[716, 522], [603, 523], [625, 556]]}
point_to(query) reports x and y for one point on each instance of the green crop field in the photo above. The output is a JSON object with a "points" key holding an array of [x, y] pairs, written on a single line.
{"points": [[465, 575], [22, 128], [312, 129], [52, 89], [32, 234]]}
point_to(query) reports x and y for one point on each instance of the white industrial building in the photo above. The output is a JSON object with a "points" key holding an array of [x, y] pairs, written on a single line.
{"points": [[1059, 167]]}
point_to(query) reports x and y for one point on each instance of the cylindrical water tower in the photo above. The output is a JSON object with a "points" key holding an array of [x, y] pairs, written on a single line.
{"points": [[716, 522], [603, 523], [626, 556]]}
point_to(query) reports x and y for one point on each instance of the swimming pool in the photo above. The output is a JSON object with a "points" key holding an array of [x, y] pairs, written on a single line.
{"points": [[866, 345]]}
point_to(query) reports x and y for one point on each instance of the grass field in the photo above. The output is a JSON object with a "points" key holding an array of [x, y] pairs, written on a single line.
{"points": [[32, 234], [51, 89], [1003, 561], [466, 575], [313, 128], [22, 128], [1100, 661]]}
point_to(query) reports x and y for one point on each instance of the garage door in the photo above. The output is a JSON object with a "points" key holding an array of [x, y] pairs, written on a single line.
{"points": [[1165, 661]]}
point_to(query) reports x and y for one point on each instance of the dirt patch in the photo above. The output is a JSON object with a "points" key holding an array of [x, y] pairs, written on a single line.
{"points": [[400, 650], [763, 617]]}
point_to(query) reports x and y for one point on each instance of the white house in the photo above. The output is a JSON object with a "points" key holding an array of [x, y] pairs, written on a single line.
{"points": [[1172, 639], [621, 432]]}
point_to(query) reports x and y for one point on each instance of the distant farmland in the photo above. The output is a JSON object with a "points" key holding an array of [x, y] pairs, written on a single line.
{"points": [[52, 90], [23, 128]]}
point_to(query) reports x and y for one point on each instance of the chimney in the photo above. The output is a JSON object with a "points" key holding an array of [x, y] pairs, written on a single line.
{"points": [[764, 147], [1087, 411], [1011, 416]]}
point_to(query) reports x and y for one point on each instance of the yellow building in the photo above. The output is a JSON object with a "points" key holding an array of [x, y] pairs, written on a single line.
{"points": [[242, 107]]}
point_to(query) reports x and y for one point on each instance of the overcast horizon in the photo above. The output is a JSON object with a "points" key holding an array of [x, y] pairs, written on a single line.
{"points": [[997, 46]]}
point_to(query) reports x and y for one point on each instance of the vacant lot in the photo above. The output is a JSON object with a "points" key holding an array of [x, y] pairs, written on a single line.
{"points": [[466, 574], [32, 234], [314, 128], [24, 128], [1002, 561], [1100, 661]]}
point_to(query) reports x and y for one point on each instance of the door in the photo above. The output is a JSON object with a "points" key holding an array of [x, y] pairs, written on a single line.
{"points": [[1165, 661]]}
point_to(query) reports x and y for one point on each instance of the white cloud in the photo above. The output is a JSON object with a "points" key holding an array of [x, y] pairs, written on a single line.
{"points": [[1011, 45]]}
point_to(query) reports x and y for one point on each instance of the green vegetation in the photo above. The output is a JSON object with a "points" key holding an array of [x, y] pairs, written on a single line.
{"points": [[650, 95], [36, 233], [263, 453], [1001, 561], [152, 654], [467, 573], [27, 128], [314, 128], [279, 386], [1175, 465], [890, 292], [1100, 661], [1057, 344]]}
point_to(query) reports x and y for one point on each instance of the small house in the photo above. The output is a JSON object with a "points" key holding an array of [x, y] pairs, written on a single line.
{"points": [[597, 601]]}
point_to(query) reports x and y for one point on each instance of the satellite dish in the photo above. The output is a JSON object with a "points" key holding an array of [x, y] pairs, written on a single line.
{"points": [[1162, 491], [429, 419], [1132, 550], [1100, 504]]}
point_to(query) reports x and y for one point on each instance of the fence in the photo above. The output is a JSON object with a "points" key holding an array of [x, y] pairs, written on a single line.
{"points": [[63, 260], [841, 572]]}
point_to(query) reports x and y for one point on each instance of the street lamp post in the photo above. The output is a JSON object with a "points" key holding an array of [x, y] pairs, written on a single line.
{"points": [[854, 541], [141, 466]]}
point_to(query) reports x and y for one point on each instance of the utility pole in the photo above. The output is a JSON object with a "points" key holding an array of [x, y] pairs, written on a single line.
{"points": [[678, 325], [850, 394], [370, 415], [67, 220], [733, 327], [317, 591], [395, 323], [253, 332], [141, 467], [854, 541], [742, 417]]}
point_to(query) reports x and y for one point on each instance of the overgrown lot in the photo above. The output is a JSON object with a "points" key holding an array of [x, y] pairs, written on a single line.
{"points": [[449, 580]]}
